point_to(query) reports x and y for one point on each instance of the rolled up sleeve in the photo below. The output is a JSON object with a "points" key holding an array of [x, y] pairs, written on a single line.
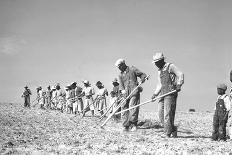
{"points": [[140, 74], [159, 85], [178, 73]]}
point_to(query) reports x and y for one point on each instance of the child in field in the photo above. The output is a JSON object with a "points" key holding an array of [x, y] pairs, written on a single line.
{"points": [[221, 113]]}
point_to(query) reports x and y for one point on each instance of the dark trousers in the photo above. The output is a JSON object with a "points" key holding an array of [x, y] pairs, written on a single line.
{"points": [[131, 117], [167, 111], [219, 126], [27, 101]]}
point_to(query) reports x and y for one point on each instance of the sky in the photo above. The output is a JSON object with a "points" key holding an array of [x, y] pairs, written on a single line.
{"points": [[44, 42]]}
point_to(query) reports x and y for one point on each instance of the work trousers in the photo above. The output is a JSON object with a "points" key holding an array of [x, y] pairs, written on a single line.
{"points": [[166, 111], [102, 104], [27, 101], [89, 104], [131, 117], [219, 126]]}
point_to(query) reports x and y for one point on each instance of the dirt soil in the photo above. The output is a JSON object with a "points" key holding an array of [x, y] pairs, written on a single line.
{"points": [[35, 131]]}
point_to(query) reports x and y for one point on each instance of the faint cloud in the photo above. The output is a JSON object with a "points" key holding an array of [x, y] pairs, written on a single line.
{"points": [[11, 45]]}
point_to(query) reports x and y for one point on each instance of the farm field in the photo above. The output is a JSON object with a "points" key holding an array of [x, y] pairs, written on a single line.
{"points": [[35, 131]]}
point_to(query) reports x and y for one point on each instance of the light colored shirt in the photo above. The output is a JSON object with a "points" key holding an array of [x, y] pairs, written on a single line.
{"points": [[226, 101], [102, 92], [88, 91], [172, 69]]}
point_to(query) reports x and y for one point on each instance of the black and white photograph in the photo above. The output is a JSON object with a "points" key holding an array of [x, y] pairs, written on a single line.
{"points": [[105, 77]]}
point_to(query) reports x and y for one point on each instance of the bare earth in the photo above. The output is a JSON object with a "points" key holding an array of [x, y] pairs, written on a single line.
{"points": [[35, 131]]}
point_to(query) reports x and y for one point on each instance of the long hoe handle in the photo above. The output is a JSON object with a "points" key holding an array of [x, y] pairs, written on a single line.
{"points": [[146, 102], [108, 118]]}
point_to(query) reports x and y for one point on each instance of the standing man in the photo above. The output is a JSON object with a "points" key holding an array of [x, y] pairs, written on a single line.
{"points": [[48, 97], [117, 94], [101, 97], [88, 92], [78, 99], [127, 83], [169, 78], [26, 96]]}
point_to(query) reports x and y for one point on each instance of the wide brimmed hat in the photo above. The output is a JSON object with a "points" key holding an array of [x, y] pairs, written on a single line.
{"points": [[26, 87], [113, 92], [98, 83], [222, 86], [157, 57], [119, 62], [86, 82]]}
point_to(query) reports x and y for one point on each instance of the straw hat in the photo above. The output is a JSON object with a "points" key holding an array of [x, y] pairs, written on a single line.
{"points": [[119, 62], [86, 82], [157, 57]]}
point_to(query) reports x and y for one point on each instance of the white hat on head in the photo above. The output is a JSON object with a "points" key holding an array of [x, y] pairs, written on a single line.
{"points": [[157, 57], [119, 62], [86, 82]]}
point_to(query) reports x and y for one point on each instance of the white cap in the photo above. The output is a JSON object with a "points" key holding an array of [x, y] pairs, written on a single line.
{"points": [[119, 62], [157, 57], [86, 82]]}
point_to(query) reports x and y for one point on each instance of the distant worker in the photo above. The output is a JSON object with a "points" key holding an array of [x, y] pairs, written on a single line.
{"points": [[221, 113], [101, 97], [78, 99], [48, 97], [26, 96], [127, 83], [118, 96], [169, 78], [88, 92]]}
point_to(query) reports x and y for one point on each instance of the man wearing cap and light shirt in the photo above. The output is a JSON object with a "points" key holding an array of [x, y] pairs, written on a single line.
{"points": [[78, 97], [127, 83], [102, 92], [88, 92], [169, 78]]}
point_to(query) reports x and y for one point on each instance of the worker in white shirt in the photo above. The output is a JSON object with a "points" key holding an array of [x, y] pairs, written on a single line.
{"points": [[169, 78], [88, 92]]}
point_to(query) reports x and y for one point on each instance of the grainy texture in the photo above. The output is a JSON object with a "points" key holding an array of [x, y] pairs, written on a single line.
{"points": [[35, 131]]}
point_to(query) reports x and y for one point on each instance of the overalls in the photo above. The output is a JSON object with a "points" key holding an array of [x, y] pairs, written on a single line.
{"points": [[167, 104], [219, 121]]}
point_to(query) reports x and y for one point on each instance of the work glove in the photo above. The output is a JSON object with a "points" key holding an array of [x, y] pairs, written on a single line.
{"points": [[140, 89], [178, 88], [154, 96], [123, 92], [143, 80]]}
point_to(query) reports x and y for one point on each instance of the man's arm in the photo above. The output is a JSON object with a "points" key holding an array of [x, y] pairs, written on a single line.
{"points": [[159, 85], [179, 75], [140, 74]]}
